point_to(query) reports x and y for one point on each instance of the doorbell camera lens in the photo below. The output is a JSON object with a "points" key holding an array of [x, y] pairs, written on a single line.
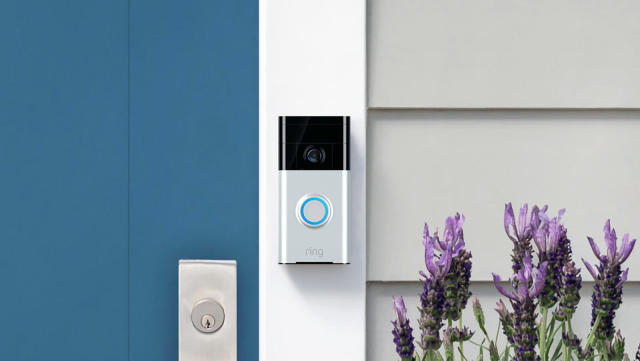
{"points": [[314, 155]]}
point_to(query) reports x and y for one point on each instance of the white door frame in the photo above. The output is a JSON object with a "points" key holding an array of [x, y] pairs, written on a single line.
{"points": [[312, 62]]}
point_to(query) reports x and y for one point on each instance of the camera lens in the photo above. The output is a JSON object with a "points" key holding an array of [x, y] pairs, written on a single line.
{"points": [[313, 154]]}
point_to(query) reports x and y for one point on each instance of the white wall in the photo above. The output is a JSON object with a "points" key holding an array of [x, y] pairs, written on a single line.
{"points": [[426, 165], [497, 53], [380, 312], [312, 62], [504, 54]]}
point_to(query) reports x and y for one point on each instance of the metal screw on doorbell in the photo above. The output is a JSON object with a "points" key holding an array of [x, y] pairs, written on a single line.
{"points": [[314, 189]]}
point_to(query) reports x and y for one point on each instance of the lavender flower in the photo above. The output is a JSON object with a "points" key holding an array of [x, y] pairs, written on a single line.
{"points": [[607, 292], [638, 354], [614, 348], [479, 315], [527, 287], [573, 342], [437, 266], [457, 279], [432, 298], [459, 335], [521, 234], [506, 320], [402, 331], [524, 277], [569, 292], [431, 304], [548, 237]]}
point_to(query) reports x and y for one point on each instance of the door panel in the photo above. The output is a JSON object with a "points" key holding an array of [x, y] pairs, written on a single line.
{"points": [[63, 180], [112, 172], [194, 160]]}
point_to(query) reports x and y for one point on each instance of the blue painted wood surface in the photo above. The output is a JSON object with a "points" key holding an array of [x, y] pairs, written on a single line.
{"points": [[128, 140]]}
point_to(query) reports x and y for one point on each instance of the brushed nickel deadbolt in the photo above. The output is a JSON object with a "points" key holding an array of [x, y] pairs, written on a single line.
{"points": [[207, 316]]}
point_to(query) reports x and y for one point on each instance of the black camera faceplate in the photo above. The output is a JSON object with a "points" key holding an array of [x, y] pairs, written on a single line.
{"points": [[330, 134]]}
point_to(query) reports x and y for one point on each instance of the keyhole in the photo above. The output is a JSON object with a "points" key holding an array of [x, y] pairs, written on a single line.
{"points": [[207, 322]]}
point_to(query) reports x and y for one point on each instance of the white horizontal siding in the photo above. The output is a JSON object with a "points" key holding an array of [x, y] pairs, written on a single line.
{"points": [[504, 54], [426, 165]]}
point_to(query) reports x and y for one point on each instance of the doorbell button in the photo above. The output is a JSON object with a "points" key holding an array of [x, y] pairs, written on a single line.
{"points": [[314, 210]]}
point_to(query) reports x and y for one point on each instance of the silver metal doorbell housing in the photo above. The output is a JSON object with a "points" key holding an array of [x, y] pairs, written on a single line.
{"points": [[314, 189]]}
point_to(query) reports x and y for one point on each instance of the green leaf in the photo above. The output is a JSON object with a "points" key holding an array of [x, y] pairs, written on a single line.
{"points": [[550, 341], [557, 353], [493, 352], [481, 354], [551, 327], [505, 354]]}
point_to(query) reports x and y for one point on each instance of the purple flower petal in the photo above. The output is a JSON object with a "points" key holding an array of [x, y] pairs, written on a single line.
{"points": [[429, 254], [425, 234], [502, 309], [449, 230], [625, 244], [610, 240], [400, 308], [590, 269], [528, 268], [509, 221], [540, 239], [520, 277], [522, 291], [457, 248], [445, 261], [534, 218], [594, 248], [500, 288], [462, 220], [522, 221], [626, 251], [542, 215], [623, 279], [538, 283]]}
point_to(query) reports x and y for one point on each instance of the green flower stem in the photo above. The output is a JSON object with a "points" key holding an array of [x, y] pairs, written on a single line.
{"points": [[461, 342], [543, 333], [449, 352], [605, 353], [565, 349], [592, 335]]}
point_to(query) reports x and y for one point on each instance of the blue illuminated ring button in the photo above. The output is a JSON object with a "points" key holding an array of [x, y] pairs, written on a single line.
{"points": [[314, 210]]}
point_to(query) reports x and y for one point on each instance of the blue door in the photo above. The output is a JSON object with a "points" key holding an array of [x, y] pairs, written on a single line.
{"points": [[128, 140]]}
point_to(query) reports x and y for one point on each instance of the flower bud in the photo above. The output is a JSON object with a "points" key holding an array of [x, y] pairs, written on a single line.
{"points": [[477, 311], [493, 352]]}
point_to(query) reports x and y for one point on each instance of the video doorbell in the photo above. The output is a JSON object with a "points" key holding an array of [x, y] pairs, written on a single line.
{"points": [[314, 189]]}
